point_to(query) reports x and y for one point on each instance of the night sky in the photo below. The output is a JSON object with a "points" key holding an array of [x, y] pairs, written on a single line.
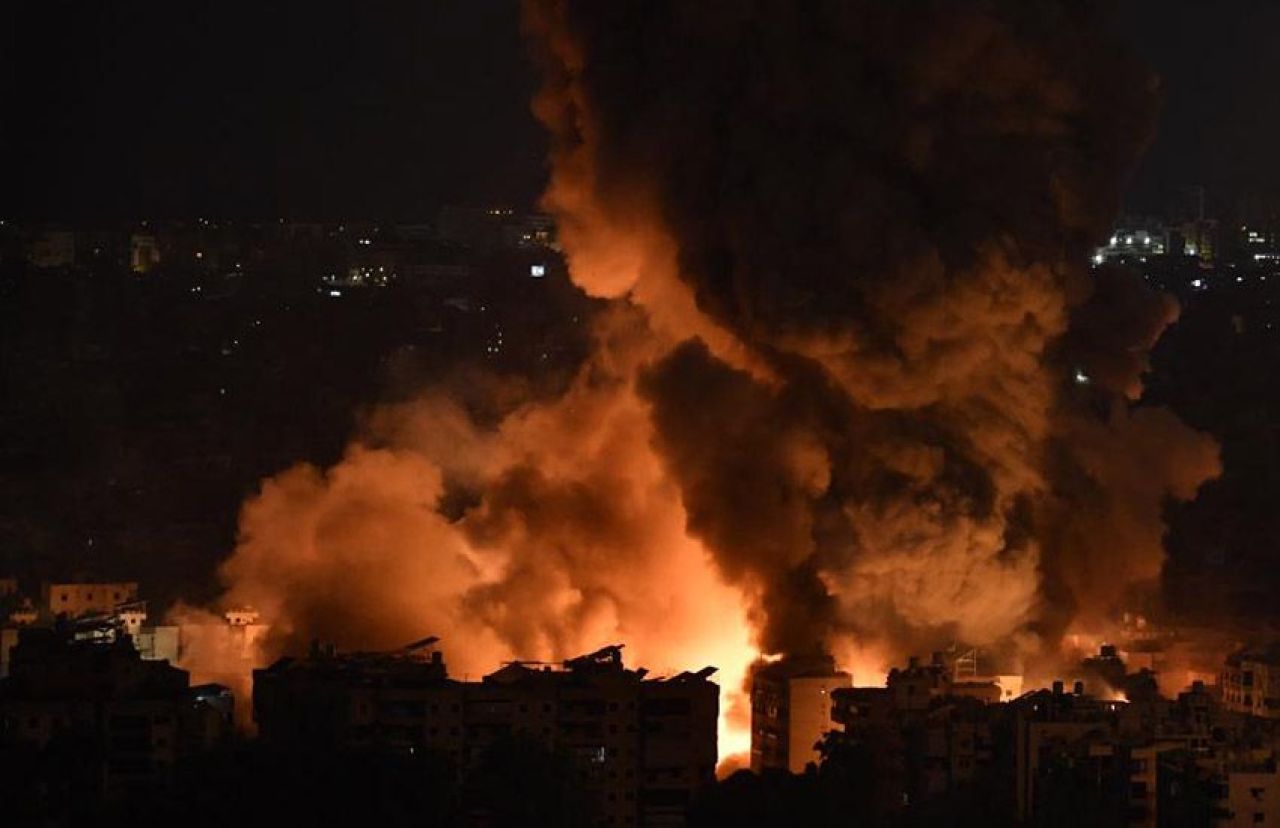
{"points": [[251, 110], [322, 110], [1221, 121]]}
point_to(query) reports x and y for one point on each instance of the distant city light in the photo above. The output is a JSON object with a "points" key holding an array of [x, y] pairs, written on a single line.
{"points": [[537, 271], [1081, 377], [1198, 284], [335, 293]]}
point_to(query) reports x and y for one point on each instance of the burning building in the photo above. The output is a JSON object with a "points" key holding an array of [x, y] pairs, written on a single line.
{"points": [[834, 394]]}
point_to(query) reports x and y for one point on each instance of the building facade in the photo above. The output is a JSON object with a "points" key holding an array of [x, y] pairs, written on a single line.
{"points": [[130, 720], [78, 599], [791, 711], [644, 745]]}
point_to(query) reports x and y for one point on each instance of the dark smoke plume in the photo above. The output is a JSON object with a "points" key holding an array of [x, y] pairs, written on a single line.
{"points": [[885, 207], [855, 390]]}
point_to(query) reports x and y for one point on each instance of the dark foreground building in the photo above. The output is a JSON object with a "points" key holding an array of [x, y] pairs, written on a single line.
{"points": [[644, 746], [92, 720], [791, 710]]}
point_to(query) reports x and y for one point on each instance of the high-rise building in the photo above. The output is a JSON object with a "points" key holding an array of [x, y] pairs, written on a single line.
{"points": [[791, 710]]}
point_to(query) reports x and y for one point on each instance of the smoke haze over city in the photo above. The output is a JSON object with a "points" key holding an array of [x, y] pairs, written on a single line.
{"points": [[854, 390], [751, 336]]}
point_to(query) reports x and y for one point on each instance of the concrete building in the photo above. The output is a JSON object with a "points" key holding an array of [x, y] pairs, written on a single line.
{"points": [[645, 745], [1250, 795], [131, 719], [1144, 762], [75, 600], [929, 735], [1134, 239], [1053, 726], [160, 643], [1251, 682], [791, 710]]}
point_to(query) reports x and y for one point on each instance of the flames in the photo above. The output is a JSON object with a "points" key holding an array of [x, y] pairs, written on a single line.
{"points": [[834, 401], [578, 539]]}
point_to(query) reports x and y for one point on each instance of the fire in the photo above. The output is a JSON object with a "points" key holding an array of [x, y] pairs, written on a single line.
{"points": [[831, 403]]}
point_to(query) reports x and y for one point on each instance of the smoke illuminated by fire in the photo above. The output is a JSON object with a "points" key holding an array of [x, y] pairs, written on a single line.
{"points": [[835, 402]]}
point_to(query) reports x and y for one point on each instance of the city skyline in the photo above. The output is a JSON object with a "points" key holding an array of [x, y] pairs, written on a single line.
{"points": [[895, 382]]}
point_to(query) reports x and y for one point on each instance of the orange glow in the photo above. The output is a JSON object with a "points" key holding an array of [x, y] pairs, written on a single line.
{"points": [[779, 441]]}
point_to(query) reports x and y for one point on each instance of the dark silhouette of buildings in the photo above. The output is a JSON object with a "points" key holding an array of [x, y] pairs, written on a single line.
{"points": [[84, 708], [643, 746]]}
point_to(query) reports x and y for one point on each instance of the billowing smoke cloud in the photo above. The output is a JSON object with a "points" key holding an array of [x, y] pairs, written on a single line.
{"points": [[855, 389], [903, 410], [572, 536]]}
